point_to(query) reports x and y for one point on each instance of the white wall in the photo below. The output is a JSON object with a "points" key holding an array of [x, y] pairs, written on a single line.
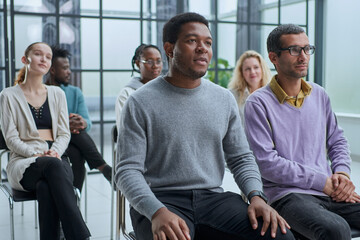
{"points": [[342, 34], [351, 125], [341, 59]]}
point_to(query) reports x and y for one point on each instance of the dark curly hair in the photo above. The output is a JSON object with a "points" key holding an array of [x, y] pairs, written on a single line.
{"points": [[59, 53], [273, 41], [172, 28]]}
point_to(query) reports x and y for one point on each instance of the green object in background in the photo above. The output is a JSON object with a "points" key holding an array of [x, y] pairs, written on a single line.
{"points": [[224, 72]]}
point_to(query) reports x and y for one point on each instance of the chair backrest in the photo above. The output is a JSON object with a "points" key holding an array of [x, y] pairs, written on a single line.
{"points": [[2, 142], [355, 232], [114, 134], [16, 195], [3, 150]]}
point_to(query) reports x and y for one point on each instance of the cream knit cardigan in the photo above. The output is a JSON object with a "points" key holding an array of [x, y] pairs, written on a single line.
{"points": [[20, 132]]}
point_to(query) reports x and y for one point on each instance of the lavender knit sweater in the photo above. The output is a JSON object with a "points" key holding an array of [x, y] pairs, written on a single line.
{"points": [[292, 144]]}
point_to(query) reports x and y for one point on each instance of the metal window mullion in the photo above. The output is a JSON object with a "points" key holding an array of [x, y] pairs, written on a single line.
{"points": [[101, 82], [248, 24], [57, 20], [307, 17], [319, 40], [307, 29], [141, 21], [12, 42], [215, 37], [6, 47], [279, 12]]}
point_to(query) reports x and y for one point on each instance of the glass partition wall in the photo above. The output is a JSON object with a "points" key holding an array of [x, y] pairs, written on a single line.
{"points": [[4, 57], [103, 34]]}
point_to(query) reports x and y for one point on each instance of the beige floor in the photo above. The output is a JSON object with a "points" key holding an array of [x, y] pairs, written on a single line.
{"points": [[99, 204]]}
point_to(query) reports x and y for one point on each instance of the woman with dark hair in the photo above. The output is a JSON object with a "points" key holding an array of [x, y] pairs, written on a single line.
{"points": [[34, 122], [147, 59]]}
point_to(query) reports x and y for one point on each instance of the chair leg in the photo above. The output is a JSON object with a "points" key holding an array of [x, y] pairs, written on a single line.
{"points": [[118, 209], [112, 194], [78, 197], [112, 199], [86, 197], [36, 216], [122, 223], [112, 215], [12, 231], [22, 208]]}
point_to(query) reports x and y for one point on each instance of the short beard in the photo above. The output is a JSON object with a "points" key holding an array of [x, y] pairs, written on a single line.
{"points": [[180, 67], [61, 82], [302, 75], [195, 75]]}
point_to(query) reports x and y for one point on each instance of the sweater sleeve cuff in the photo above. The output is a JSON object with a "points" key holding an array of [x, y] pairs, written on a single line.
{"points": [[150, 208], [319, 182], [344, 173], [30, 152], [343, 170], [252, 187]]}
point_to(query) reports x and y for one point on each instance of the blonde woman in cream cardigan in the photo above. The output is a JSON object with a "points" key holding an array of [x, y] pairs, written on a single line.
{"points": [[34, 122]]}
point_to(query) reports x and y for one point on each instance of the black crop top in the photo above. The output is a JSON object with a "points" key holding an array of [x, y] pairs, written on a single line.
{"points": [[42, 116]]}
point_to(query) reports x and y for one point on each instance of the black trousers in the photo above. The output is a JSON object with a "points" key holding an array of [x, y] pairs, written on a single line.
{"points": [[51, 178], [81, 148], [319, 217], [209, 216]]}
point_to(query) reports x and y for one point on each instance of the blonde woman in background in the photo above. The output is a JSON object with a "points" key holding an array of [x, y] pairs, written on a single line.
{"points": [[251, 73]]}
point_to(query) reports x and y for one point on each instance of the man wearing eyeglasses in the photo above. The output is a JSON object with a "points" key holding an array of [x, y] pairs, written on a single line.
{"points": [[292, 131]]}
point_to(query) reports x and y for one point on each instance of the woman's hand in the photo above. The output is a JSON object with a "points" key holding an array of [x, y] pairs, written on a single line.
{"points": [[51, 153]]}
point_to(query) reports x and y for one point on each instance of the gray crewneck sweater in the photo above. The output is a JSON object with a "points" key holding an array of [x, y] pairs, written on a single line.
{"points": [[173, 138]]}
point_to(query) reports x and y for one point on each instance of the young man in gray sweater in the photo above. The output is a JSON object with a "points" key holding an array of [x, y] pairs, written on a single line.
{"points": [[176, 135]]}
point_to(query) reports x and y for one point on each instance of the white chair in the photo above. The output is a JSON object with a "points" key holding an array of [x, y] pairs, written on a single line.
{"points": [[16, 195], [11, 194], [120, 200]]}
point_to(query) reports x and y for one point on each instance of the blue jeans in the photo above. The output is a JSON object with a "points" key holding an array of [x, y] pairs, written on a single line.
{"points": [[209, 215], [319, 217]]}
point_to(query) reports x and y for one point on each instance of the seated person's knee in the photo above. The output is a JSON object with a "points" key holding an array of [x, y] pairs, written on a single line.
{"points": [[335, 229]]}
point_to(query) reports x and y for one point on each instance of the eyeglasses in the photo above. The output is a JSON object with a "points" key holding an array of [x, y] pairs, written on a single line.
{"points": [[296, 50], [152, 62]]}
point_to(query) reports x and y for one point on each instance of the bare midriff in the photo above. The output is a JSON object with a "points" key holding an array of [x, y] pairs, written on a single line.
{"points": [[46, 134]]}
